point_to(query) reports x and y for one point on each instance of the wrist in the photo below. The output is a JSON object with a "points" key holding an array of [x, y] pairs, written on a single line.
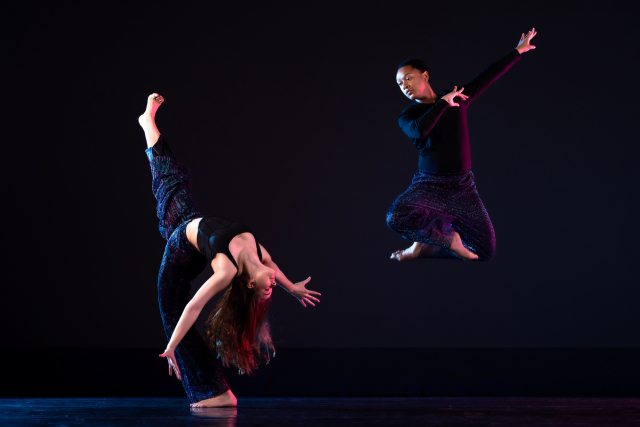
{"points": [[520, 49]]}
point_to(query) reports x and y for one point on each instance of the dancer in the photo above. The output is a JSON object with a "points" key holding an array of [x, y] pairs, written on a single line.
{"points": [[441, 211], [237, 327]]}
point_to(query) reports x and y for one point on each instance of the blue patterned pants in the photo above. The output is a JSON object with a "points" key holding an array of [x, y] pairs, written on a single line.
{"points": [[436, 205], [181, 263]]}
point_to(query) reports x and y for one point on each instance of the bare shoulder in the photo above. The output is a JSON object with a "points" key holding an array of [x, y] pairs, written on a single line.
{"points": [[222, 266]]}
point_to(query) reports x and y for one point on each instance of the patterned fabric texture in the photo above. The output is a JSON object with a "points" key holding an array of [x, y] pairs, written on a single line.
{"points": [[436, 205], [181, 263]]}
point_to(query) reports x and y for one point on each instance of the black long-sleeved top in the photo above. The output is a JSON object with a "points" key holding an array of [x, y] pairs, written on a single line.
{"points": [[440, 133]]}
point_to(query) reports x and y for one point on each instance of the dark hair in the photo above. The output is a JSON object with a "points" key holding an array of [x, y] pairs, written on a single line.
{"points": [[416, 63], [237, 328]]}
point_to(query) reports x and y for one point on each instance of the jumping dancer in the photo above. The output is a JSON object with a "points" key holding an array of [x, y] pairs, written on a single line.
{"points": [[441, 211], [237, 327]]}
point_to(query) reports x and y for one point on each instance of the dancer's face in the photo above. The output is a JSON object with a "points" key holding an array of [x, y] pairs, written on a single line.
{"points": [[413, 82], [264, 281]]}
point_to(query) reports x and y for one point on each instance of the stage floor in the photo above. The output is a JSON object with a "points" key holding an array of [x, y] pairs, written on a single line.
{"points": [[307, 412]]}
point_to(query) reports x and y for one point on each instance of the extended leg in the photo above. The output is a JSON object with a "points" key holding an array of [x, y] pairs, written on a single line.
{"points": [[171, 185]]}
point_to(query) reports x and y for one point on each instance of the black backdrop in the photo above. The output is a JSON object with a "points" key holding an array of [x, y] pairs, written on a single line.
{"points": [[286, 115]]}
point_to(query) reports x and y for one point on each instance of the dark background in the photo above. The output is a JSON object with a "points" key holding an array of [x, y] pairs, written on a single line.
{"points": [[286, 115]]}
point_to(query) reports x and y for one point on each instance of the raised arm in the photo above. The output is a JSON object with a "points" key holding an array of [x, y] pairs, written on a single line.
{"points": [[216, 283], [298, 290], [493, 72]]}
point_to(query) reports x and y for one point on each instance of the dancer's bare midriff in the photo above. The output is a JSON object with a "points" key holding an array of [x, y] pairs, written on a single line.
{"points": [[192, 232]]}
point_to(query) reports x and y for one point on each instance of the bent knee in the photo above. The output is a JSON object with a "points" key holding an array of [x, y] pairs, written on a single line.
{"points": [[393, 222], [489, 251]]}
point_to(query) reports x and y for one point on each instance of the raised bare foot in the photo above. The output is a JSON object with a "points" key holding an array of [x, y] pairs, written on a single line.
{"points": [[225, 399], [147, 119], [411, 253], [459, 249]]}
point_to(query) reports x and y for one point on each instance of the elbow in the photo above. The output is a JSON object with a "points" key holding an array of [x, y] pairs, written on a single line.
{"points": [[413, 132], [194, 308]]}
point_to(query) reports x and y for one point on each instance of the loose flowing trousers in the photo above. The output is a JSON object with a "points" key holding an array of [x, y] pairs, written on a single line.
{"points": [[436, 205], [181, 263]]}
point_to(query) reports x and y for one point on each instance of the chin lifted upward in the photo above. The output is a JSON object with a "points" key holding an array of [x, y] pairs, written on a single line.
{"points": [[244, 272]]}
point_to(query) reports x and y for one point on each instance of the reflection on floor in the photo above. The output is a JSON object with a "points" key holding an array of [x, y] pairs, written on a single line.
{"points": [[427, 411]]}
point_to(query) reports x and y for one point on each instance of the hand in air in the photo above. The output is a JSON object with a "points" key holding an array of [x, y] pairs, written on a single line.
{"points": [[449, 97], [523, 45], [303, 294], [173, 365]]}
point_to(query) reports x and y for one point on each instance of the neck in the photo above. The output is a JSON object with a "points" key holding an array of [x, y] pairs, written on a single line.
{"points": [[428, 97], [248, 261]]}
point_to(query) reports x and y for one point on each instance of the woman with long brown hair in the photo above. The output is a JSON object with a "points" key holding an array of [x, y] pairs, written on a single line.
{"points": [[237, 327]]}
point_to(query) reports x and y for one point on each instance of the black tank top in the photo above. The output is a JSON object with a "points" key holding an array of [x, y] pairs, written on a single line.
{"points": [[215, 234]]}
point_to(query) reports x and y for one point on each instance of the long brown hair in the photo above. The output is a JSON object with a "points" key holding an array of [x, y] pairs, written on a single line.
{"points": [[237, 328]]}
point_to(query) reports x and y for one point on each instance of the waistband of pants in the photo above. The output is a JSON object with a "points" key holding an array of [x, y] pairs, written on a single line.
{"points": [[443, 176]]}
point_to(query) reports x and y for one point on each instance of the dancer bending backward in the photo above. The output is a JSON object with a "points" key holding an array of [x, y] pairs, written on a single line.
{"points": [[237, 327], [441, 211]]}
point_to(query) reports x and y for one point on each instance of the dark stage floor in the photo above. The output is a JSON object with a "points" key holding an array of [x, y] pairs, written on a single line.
{"points": [[424, 411]]}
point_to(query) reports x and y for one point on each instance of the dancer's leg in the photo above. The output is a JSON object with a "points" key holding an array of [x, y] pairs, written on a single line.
{"points": [[418, 215], [171, 185], [201, 377], [472, 221]]}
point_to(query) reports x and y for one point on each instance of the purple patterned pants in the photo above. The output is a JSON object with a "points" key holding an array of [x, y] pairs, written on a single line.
{"points": [[181, 263], [436, 205]]}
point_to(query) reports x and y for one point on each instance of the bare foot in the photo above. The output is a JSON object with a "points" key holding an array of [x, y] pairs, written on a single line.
{"points": [[225, 399], [220, 413], [409, 254], [458, 248], [147, 119]]}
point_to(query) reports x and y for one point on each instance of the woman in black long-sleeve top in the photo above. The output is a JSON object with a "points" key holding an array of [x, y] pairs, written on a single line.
{"points": [[441, 211]]}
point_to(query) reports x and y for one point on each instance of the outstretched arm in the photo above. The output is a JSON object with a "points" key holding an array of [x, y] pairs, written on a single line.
{"points": [[298, 290], [212, 286], [493, 72]]}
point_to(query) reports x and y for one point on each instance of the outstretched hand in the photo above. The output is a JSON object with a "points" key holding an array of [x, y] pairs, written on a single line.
{"points": [[451, 95], [303, 294], [524, 44], [171, 359]]}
